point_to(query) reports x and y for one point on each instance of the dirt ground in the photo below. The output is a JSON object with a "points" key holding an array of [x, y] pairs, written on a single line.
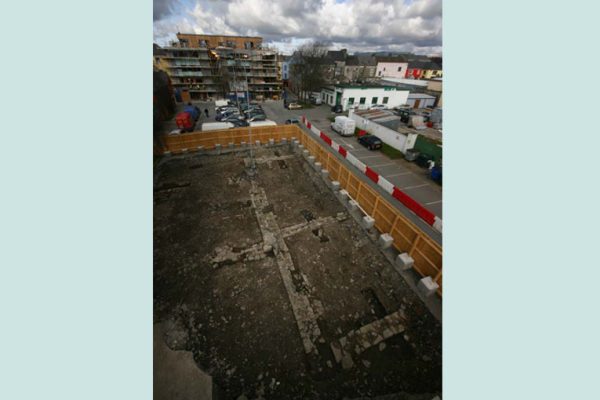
{"points": [[243, 262]]}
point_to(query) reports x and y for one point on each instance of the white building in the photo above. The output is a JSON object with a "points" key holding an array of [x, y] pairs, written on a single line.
{"points": [[391, 69], [363, 97], [420, 100]]}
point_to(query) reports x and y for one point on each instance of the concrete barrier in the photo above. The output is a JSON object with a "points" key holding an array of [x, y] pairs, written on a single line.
{"points": [[427, 287], [385, 241], [404, 261], [368, 222], [343, 194]]}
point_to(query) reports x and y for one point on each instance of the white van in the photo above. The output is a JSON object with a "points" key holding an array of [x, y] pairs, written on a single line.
{"points": [[215, 126], [263, 123], [344, 125]]}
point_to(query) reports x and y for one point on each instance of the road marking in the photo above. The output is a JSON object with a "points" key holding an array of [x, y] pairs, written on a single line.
{"points": [[402, 173], [433, 202], [381, 165], [414, 187], [362, 158]]}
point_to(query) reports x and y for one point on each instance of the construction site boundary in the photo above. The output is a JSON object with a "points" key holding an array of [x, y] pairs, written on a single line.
{"points": [[407, 237]]}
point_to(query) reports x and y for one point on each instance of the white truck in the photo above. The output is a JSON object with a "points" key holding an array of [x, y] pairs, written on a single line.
{"points": [[344, 125]]}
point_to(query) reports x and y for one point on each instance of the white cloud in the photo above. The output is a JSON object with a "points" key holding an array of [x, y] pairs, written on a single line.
{"points": [[358, 25]]}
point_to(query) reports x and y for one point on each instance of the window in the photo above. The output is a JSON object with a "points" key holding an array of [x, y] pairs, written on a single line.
{"points": [[202, 43], [384, 68], [385, 100], [399, 69], [362, 100], [351, 100], [374, 100]]}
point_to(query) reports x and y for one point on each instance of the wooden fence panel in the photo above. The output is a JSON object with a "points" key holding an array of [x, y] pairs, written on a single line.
{"points": [[407, 236]]}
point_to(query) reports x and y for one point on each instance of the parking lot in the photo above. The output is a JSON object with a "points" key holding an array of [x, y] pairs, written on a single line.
{"points": [[405, 175]]}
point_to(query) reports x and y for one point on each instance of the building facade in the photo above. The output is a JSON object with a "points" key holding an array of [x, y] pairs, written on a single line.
{"points": [[391, 69], [359, 68], [212, 66], [363, 97]]}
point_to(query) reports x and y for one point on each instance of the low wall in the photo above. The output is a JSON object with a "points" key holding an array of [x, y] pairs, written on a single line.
{"points": [[397, 140], [208, 140]]}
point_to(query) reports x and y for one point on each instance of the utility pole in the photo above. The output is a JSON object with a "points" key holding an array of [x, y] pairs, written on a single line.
{"points": [[252, 163]]}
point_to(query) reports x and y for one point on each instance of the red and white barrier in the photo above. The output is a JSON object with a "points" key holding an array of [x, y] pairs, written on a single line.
{"points": [[386, 185]]}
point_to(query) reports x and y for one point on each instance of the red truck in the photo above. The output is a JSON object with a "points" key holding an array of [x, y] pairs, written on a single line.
{"points": [[186, 120]]}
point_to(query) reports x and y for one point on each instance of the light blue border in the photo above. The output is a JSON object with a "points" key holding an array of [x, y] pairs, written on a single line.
{"points": [[520, 200], [76, 202]]}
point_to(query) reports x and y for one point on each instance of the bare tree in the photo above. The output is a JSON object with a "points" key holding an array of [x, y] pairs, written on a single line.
{"points": [[309, 68]]}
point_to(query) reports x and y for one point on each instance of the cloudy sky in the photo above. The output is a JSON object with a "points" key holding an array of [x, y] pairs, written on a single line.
{"points": [[358, 25]]}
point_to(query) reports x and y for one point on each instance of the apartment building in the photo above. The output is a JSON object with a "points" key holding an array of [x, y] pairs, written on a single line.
{"points": [[216, 66]]}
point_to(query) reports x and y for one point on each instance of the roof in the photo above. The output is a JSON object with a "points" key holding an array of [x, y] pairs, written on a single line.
{"points": [[420, 96], [424, 65], [366, 86], [412, 82], [360, 61], [393, 59]]}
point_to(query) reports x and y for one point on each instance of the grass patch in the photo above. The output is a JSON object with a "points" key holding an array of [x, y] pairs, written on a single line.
{"points": [[391, 152]]}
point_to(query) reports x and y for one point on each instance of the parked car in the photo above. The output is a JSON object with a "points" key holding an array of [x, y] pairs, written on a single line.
{"points": [[294, 106], [245, 107], [292, 121], [316, 100], [233, 117], [370, 141], [225, 108], [257, 117], [423, 160], [254, 111], [337, 108], [238, 123], [226, 114]]}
